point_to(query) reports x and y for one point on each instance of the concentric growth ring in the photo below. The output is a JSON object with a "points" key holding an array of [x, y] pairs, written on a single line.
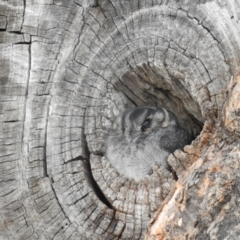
{"points": [[159, 55]]}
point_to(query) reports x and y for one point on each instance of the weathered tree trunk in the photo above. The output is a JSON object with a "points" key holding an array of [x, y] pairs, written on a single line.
{"points": [[68, 68]]}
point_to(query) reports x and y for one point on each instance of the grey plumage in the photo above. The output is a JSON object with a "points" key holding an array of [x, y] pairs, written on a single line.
{"points": [[142, 137]]}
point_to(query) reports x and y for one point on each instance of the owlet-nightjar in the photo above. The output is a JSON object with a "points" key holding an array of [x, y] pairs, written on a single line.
{"points": [[142, 137]]}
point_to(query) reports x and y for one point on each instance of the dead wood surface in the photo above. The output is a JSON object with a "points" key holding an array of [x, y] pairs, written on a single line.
{"points": [[68, 68]]}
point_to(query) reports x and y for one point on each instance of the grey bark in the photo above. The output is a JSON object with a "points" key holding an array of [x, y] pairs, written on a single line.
{"points": [[68, 68]]}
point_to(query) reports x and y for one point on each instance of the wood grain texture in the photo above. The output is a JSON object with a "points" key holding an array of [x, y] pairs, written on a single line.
{"points": [[68, 68]]}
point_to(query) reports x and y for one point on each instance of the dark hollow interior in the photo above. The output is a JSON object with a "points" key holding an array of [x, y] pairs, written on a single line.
{"points": [[144, 85]]}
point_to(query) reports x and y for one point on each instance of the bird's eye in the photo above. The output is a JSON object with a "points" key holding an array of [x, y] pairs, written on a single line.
{"points": [[146, 124]]}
